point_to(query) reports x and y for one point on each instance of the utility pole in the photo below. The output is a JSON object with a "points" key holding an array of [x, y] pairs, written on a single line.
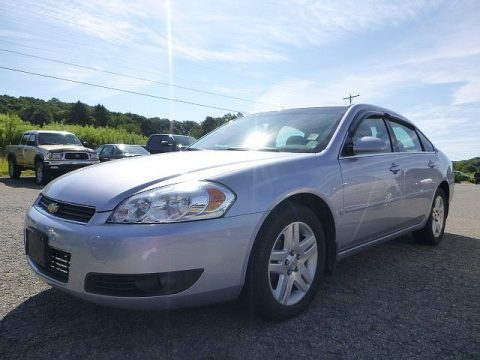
{"points": [[351, 97]]}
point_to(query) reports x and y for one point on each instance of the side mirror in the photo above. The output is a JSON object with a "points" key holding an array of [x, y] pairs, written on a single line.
{"points": [[84, 143], [166, 143], [369, 145]]}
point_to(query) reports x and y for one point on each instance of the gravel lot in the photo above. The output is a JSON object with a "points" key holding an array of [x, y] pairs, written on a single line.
{"points": [[397, 300]]}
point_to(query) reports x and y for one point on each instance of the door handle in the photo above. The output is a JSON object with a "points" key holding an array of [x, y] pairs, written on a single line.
{"points": [[431, 164], [394, 168]]}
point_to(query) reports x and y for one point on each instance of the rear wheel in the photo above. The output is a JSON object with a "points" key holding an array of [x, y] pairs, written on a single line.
{"points": [[13, 169], [432, 232], [41, 175], [286, 264]]}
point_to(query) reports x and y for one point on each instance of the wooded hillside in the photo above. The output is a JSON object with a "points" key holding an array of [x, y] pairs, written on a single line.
{"points": [[40, 113]]}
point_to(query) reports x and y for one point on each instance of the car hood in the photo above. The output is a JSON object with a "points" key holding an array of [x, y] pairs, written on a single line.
{"points": [[106, 185], [64, 148]]}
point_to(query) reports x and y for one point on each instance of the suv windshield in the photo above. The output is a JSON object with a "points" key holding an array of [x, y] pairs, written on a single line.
{"points": [[58, 139], [299, 130]]}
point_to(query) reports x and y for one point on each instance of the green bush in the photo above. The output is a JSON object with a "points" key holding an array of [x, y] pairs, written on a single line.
{"points": [[12, 128], [95, 136]]}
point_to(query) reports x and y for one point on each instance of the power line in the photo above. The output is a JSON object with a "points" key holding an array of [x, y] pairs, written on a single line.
{"points": [[135, 77], [121, 90]]}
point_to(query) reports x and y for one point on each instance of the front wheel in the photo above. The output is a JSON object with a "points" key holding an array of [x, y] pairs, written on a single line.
{"points": [[41, 176], [432, 232], [286, 264]]}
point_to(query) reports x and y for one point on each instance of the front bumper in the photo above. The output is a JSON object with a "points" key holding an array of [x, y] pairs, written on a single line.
{"points": [[66, 166], [219, 247]]}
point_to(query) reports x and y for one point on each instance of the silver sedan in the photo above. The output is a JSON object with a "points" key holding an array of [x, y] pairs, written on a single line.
{"points": [[260, 208]]}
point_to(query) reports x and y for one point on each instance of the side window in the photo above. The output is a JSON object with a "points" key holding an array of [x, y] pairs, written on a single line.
{"points": [[107, 150], [372, 126], [407, 139], [24, 139], [427, 145], [31, 140]]}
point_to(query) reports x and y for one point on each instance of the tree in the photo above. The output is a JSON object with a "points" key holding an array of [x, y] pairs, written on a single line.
{"points": [[79, 114], [101, 115], [37, 114], [192, 128], [208, 125]]}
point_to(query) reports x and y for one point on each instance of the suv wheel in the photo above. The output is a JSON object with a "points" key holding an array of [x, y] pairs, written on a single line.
{"points": [[41, 176]]}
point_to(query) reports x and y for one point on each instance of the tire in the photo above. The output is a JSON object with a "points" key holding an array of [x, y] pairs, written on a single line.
{"points": [[41, 176], [13, 170], [432, 232], [282, 276]]}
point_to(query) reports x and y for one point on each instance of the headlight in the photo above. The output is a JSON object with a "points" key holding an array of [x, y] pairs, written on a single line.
{"points": [[94, 156], [54, 155], [196, 200]]}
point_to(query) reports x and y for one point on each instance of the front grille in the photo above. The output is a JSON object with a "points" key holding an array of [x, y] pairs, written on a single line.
{"points": [[65, 210], [76, 156], [141, 285]]}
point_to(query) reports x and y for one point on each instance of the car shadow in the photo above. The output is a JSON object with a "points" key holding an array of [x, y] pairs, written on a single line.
{"points": [[23, 182], [380, 302]]}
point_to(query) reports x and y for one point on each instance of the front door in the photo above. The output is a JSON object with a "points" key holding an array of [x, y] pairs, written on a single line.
{"points": [[373, 187]]}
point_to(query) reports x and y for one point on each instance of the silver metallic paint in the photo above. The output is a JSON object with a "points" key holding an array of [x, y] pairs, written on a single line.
{"points": [[368, 202]]}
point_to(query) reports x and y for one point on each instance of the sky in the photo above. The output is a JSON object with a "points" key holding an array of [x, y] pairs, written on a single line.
{"points": [[418, 58]]}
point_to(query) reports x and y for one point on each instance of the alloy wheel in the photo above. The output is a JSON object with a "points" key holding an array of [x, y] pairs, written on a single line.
{"points": [[293, 263], [438, 216]]}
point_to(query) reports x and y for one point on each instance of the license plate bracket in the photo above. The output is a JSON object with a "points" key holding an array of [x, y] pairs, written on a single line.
{"points": [[37, 246]]}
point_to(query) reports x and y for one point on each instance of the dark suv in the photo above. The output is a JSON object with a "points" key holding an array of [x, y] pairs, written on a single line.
{"points": [[160, 143], [476, 177]]}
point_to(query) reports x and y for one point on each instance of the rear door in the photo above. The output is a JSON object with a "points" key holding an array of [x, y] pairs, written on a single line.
{"points": [[373, 186], [422, 177]]}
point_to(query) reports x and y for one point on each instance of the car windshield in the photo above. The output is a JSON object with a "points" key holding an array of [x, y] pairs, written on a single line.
{"points": [[132, 149], [58, 139], [299, 130], [184, 140]]}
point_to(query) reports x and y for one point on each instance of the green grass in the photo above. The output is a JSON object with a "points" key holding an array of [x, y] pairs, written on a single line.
{"points": [[4, 169]]}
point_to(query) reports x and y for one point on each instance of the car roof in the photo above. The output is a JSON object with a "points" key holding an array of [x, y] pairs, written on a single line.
{"points": [[47, 131], [352, 107]]}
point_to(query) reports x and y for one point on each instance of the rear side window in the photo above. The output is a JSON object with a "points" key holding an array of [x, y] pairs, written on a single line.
{"points": [[406, 138], [427, 145]]}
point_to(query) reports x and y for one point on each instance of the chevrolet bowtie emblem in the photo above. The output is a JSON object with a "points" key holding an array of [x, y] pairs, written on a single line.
{"points": [[53, 208]]}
